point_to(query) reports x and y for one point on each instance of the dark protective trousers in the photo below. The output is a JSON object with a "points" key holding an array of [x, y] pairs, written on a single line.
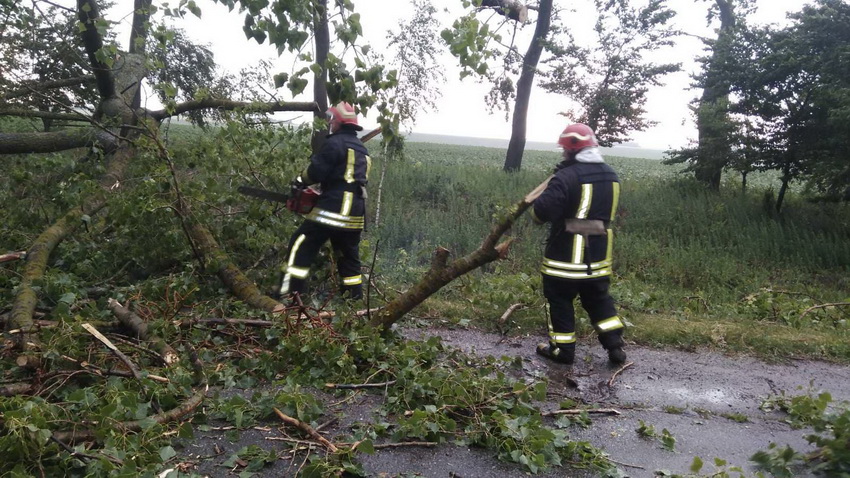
{"points": [[305, 244], [595, 299]]}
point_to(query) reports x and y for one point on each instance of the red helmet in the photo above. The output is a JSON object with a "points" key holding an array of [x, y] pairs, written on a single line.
{"points": [[340, 114], [577, 137]]}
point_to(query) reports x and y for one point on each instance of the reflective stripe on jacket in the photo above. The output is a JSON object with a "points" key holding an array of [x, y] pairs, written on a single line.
{"points": [[578, 191], [342, 167]]}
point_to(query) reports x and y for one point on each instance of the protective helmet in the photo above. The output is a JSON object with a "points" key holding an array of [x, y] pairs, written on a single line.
{"points": [[577, 137], [340, 114]]}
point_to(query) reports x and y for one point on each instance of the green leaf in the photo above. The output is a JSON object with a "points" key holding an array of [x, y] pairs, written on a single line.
{"points": [[193, 7], [166, 453], [280, 79], [696, 466], [366, 446]]}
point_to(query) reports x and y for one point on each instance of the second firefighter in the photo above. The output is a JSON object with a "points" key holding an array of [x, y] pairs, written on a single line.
{"points": [[341, 167]]}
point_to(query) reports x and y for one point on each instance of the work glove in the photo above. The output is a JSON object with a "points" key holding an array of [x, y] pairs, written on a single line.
{"points": [[296, 185]]}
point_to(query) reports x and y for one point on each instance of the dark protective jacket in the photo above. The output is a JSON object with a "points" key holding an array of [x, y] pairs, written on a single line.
{"points": [[342, 167], [585, 191]]}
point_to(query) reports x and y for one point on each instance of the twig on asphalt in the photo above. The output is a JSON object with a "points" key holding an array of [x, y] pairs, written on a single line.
{"points": [[626, 464], [306, 429], [513, 308], [611, 382], [354, 386], [579, 411]]}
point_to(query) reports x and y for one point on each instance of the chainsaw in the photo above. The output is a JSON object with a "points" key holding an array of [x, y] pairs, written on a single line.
{"points": [[300, 200]]}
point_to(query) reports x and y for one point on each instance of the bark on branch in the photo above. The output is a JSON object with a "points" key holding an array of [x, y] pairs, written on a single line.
{"points": [[306, 429], [25, 113], [140, 329], [51, 142], [442, 272]]}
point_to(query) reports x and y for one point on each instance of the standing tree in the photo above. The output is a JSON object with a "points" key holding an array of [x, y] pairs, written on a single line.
{"points": [[469, 40], [713, 151], [44, 67], [609, 80], [793, 83]]}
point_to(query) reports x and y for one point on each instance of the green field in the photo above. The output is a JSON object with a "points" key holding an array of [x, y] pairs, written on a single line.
{"points": [[692, 267]]}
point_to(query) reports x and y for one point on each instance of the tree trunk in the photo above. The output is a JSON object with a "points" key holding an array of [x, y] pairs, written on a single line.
{"points": [[714, 150], [513, 158], [780, 197], [320, 80]]}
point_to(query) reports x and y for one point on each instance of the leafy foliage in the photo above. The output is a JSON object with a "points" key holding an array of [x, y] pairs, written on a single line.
{"points": [[608, 82]]}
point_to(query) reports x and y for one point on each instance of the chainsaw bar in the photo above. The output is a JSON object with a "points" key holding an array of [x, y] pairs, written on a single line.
{"points": [[263, 194]]}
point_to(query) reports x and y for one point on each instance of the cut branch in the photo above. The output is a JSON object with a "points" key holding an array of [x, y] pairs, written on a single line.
{"points": [[511, 9], [513, 308], [185, 408], [140, 329], [13, 389], [87, 434], [442, 272], [611, 381], [306, 429], [823, 306], [129, 363], [13, 256], [356, 386]]}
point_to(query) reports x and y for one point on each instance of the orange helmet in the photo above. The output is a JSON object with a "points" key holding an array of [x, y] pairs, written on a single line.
{"points": [[577, 137], [340, 114]]}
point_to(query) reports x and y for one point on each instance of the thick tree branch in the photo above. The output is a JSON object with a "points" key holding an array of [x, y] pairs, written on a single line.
{"points": [[222, 104], [38, 254], [36, 87], [24, 113], [321, 39], [217, 261], [25, 143]]}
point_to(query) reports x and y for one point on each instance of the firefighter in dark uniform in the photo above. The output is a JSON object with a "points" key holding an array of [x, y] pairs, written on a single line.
{"points": [[579, 203], [341, 167]]}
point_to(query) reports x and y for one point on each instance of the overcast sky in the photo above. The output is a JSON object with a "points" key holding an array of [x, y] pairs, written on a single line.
{"points": [[462, 111]]}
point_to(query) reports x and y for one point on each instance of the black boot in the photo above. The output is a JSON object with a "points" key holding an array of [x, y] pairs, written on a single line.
{"points": [[555, 353], [616, 355]]}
